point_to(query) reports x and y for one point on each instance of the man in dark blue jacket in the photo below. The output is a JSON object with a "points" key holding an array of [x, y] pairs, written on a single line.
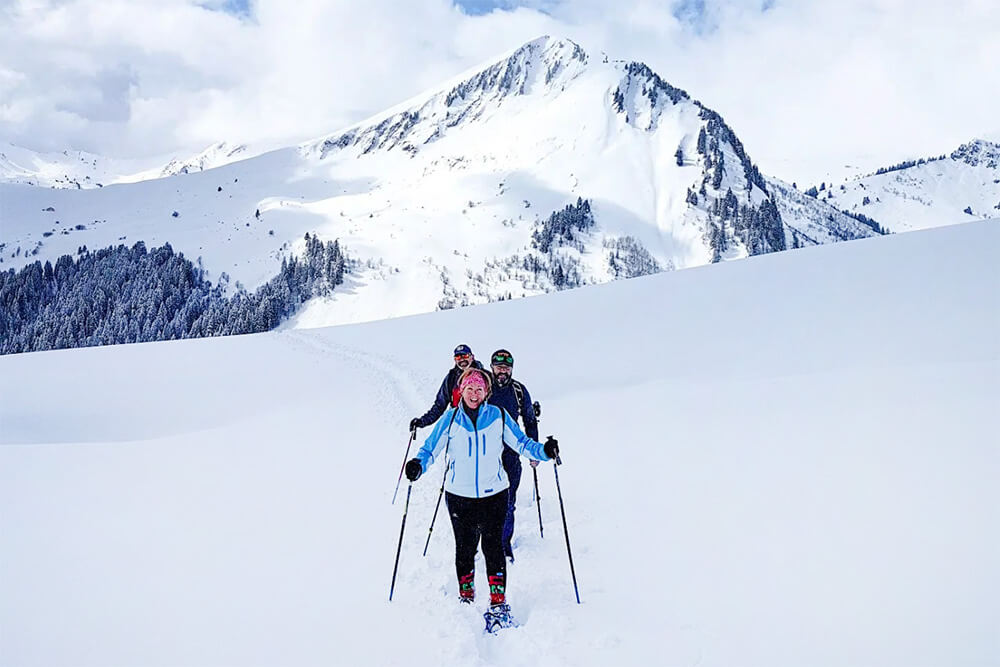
{"points": [[512, 396], [445, 397]]}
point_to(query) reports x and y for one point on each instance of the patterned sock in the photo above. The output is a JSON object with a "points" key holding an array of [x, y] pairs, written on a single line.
{"points": [[498, 585], [467, 586]]}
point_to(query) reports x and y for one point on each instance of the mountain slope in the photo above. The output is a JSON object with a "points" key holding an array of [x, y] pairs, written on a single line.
{"points": [[812, 221], [828, 498], [459, 196]]}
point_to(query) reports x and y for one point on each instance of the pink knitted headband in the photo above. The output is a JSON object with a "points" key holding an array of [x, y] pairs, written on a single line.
{"points": [[475, 380]]}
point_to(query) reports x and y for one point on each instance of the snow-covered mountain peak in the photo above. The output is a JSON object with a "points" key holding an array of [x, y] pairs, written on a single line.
{"points": [[542, 170], [538, 67], [543, 61]]}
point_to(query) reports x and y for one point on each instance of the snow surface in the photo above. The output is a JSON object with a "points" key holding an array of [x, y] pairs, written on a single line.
{"points": [[790, 460]]}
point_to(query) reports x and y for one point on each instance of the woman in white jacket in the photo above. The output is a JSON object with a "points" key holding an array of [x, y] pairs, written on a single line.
{"points": [[473, 435]]}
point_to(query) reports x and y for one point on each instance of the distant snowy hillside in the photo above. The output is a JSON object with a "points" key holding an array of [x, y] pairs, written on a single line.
{"points": [[919, 194], [216, 155], [80, 170], [806, 479], [68, 169]]}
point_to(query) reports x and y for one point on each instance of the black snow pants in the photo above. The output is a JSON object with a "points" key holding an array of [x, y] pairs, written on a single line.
{"points": [[473, 519]]}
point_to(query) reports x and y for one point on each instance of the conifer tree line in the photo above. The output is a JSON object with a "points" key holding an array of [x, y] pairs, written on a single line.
{"points": [[978, 153], [564, 227], [130, 295], [649, 84], [551, 263], [628, 258], [906, 164], [759, 227], [548, 266], [865, 220]]}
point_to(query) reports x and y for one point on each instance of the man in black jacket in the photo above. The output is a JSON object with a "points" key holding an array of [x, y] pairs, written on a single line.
{"points": [[446, 394], [512, 396]]}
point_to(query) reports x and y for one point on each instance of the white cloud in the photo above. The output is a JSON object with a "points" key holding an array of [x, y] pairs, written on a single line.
{"points": [[805, 84]]}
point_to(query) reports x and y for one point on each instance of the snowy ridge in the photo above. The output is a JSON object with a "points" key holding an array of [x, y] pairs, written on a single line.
{"points": [[792, 493], [81, 170], [213, 156], [919, 194], [544, 62]]}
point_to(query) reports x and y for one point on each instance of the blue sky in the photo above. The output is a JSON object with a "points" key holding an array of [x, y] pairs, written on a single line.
{"points": [[480, 7], [693, 14], [239, 8]]}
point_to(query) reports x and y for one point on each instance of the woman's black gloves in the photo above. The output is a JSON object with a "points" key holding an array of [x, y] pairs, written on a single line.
{"points": [[413, 469]]}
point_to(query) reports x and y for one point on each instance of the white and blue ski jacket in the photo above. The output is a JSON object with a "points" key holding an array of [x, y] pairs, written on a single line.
{"points": [[474, 450]]}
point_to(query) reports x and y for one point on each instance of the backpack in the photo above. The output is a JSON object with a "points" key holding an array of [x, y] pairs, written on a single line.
{"points": [[519, 394], [536, 409]]}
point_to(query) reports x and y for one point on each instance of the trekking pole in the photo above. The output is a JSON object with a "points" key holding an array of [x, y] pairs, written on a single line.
{"points": [[537, 408], [538, 498], [399, 548], [440, 493], [569, 551], [413, 435]]}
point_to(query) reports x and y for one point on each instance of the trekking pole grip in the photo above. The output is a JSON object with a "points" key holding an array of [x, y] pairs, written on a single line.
{"points": [[413, 436]]}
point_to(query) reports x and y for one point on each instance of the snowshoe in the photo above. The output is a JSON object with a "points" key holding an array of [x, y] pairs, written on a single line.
{"points": [[498, 617]]}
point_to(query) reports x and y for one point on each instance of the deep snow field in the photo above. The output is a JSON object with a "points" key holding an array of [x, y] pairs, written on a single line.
{"points": [[788, 460]]}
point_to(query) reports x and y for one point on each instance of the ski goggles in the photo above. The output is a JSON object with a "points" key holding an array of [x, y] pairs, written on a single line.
{"points": [[462, 357], [502, 359]]}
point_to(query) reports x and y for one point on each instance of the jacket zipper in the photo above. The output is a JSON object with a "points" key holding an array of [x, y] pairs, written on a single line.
{"points": [[475, 426]]}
